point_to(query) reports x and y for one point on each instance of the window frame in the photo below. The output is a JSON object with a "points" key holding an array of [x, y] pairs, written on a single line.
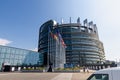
{"points": [[97, 74]]}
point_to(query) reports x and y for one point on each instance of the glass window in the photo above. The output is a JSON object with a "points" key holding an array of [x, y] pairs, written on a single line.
{"points": [[13, 51], [2, 55], [3, 50], [7, 55], [7, 50], [98, 77], [6, 60]]}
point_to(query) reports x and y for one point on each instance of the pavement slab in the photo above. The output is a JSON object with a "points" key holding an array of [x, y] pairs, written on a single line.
{"points": [[63, 76], [44, 76]]}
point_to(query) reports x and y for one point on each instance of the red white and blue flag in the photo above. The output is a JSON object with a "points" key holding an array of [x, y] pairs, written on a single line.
{"points": [[57, 36], [53, 35], [61, 39]]}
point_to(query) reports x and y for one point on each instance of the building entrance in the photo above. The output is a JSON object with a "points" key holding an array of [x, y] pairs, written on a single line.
{"points": [[50, 69], [7, 68]]}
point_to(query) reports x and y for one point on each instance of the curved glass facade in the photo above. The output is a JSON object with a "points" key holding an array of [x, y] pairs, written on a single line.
{"points": [[83, 44], [19, 57], [53, 51], [43, 40]]}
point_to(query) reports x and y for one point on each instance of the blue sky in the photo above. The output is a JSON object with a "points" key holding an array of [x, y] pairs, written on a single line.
{"points": [[20, 20]]}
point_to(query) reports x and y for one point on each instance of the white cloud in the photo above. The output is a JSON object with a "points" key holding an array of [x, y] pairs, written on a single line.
{"points": [[35, 49], [4, 41]]}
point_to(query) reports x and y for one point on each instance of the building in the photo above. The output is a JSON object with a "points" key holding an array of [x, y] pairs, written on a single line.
{"points": [[10, 56], [82, 41], [50, 45]]}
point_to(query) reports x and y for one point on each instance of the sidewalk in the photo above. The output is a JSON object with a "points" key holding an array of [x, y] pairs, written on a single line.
{"points": [[72, 76], [63, 76]]}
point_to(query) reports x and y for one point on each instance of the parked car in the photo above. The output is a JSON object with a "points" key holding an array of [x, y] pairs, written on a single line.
{"points": [[106, 74]]}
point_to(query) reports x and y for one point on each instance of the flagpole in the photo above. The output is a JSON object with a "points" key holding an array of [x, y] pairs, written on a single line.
{"points": [[59, 52], [48, 51], [56, 54]]}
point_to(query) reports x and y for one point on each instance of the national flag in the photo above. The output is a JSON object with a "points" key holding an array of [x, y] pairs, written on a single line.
{"points": [[61, 39], [63, 43], [53, 35]]}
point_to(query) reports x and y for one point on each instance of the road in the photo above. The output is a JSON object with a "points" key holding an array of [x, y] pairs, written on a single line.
{"points": [[44, 76]]}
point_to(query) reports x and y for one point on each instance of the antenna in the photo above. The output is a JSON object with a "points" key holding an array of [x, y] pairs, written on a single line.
{"points": [[78, 20], [62, 21], [90, 23], [85, 22], [70, 20], [95, 28]]}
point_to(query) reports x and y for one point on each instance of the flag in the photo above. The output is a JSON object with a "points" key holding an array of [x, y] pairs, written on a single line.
{"points": [[61, 39], [63, 43], [53, 35]]}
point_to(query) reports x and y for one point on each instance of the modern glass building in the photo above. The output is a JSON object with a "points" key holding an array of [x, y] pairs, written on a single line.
{"points": [[19, 57], [83, 44], [51, 46]]}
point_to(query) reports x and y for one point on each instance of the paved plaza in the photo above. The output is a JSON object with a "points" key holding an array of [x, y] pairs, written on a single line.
{"points": [[44, 76]]}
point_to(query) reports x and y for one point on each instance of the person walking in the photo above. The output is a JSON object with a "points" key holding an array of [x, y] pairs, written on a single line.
{"points": [[83, 68], [87, 69]]}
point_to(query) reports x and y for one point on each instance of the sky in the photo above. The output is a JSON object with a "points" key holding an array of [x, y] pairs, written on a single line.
{"points": [[20, 21]]}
